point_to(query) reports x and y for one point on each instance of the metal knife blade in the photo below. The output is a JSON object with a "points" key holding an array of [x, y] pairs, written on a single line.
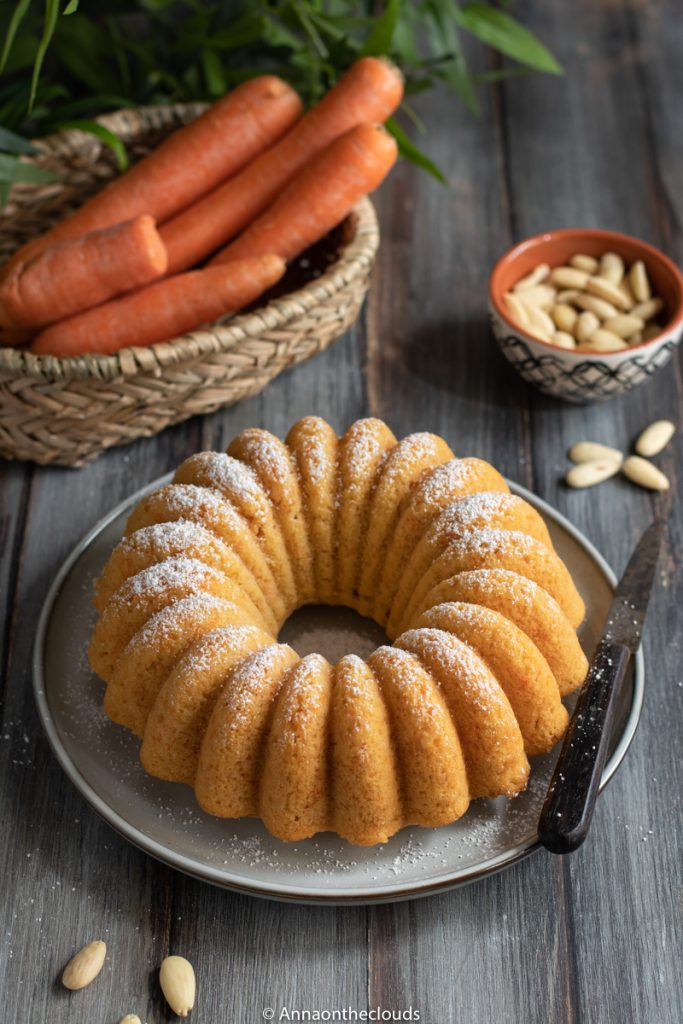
{"points": [[573, 790], [626, 618]]}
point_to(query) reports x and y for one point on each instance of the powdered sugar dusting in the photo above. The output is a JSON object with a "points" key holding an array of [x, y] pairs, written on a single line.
{"points": [[171, 574], [447, 481], [454, 659], [410, 453], [268, 453], [179, 532], [229, 476]]}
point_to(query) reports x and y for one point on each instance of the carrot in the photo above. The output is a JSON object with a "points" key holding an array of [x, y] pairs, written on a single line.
{"points": [[320, 197], [369, 91], [163, 310], [69, 277], [189, 163]]}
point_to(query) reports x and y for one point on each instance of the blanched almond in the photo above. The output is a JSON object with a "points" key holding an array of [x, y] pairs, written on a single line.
{"points": [[604, 289], [604, 341], [516, 309], [540, 319], [567, 295], [565, 316], [646, 310], [612, 267], [176, 977], [639, 282], [541, 295], [84, 966], [537, 275], [602, 309], [594, 471], [624, 325], [568, 277], [655, 437], [643, 473], [585, 326], [592, 451], [587, 263], [625, 287], [563, 340]]}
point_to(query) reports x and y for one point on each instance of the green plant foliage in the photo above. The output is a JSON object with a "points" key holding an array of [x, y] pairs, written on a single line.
{"points": [[64, 62]]}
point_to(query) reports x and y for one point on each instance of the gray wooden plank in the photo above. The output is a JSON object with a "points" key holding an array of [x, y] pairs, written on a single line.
{"points": [[620, 914]]}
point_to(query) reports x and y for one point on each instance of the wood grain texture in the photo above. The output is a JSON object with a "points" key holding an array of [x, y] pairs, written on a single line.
{"points": [[595, 938]]}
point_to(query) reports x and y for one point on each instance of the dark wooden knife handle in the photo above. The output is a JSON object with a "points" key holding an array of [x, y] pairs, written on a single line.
{"points": [[573, 790]]}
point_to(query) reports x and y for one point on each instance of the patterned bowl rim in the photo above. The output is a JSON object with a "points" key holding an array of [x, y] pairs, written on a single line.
{"points": [[650, 252]]}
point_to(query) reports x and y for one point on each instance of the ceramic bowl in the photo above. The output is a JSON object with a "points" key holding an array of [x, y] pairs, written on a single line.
{"points": [[584, 376]]}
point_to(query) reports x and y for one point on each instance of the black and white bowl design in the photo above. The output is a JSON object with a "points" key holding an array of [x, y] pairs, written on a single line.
{"points": [[585, 377]]}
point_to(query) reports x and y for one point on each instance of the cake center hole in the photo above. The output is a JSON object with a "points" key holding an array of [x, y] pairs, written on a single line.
{"points": [[332, 631]]}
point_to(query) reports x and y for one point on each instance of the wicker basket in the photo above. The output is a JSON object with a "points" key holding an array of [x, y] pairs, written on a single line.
{"points": [[67, 410]]}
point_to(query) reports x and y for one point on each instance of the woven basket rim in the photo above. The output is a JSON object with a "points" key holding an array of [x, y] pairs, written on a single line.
{"points": [[355, 258]]}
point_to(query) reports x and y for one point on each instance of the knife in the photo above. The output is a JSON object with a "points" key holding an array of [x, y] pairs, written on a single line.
{"points": [[573, 790]]}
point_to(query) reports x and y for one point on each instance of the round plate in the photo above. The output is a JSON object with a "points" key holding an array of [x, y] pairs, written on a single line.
{"points": [[164, 820]]}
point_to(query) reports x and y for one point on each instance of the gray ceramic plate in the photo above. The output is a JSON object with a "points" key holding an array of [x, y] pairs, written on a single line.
{"points": [[163, 819]]}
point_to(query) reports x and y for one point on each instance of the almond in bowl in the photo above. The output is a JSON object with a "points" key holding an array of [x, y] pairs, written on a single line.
{"points": [[585, 314]]}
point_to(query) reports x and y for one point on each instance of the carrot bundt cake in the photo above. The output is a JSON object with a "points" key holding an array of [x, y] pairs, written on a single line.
{"points": [[461, 574]]}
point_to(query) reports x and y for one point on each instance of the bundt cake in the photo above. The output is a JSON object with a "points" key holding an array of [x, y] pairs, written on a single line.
{"points": [[460, 573]]}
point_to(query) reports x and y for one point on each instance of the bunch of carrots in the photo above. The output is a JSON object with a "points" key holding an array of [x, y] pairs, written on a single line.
{"points": [[239, 192]]}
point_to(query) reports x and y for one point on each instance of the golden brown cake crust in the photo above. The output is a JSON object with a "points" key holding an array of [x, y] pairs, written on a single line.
{"points": [[461, 572]]}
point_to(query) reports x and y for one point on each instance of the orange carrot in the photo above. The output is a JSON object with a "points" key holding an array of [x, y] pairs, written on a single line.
{"points": [[189, 163], [369, 91], [69, 277], [320, 197], [163, 310]]}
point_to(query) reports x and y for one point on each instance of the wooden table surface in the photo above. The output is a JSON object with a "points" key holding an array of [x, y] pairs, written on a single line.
{"points": [[595, 937]]}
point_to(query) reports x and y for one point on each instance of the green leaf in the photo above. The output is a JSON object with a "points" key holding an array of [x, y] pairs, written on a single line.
{"points": [[378, 43], [411, 152], [15, 21], [504, 33], [499, 75], [214, 76], [241, 33], [49, 26], [450, 64], [12, 169], [71, 7], [102, 133], [12, 143]]}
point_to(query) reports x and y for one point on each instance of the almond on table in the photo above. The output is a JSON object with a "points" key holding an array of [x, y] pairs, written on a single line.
{"points": [[655, 438]]}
